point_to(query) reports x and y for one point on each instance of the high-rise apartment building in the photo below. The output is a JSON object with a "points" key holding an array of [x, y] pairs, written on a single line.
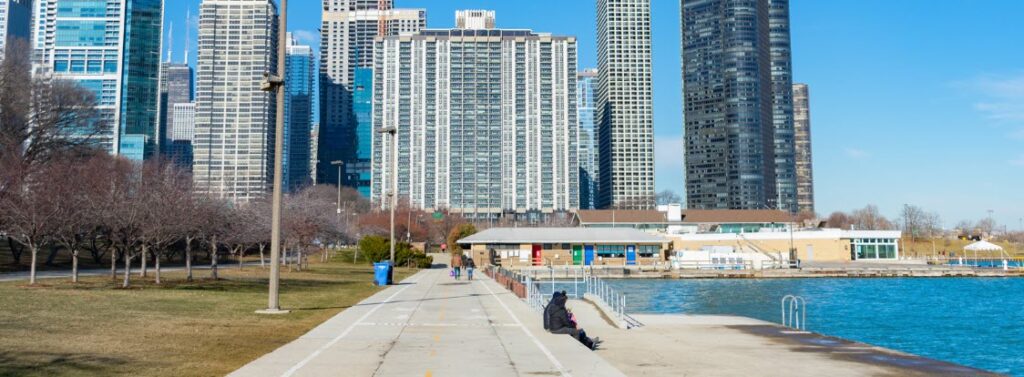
{"points": [[347, 37], [176, 87], [802, 143], [15, 22], [234, 134], [112, 48], [485, 122], [298, 110], [737, 103], [588, 142], [625, 119]]}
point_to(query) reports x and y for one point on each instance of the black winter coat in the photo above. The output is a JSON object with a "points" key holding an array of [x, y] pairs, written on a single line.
{"points": [[556, 317]]}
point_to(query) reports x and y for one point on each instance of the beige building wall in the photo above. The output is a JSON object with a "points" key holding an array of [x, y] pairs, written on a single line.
{"points": [[808, 250]]}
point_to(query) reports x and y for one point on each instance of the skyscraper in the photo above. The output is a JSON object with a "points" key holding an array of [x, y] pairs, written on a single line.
{"points": [[15, 22], [347, 38], [802, 143], [176, 87], [625, 119], [179, 145], [111, 47], [485, 119], [234, 119], [737, 101], [298, 110], [588, 138]]}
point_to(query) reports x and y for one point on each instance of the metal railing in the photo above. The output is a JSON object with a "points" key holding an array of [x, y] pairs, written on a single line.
{"points": [[583, 282], [794, 312], [599, 289]]}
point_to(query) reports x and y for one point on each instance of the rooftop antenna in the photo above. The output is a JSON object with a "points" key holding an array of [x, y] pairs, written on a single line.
{"points": [[188, 28], [170, 42]]}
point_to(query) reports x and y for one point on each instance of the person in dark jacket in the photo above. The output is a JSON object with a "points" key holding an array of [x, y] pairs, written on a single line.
{"points": [[557, 321], [470, 265]]}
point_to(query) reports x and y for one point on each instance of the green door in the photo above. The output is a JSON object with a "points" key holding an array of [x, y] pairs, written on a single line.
{"points": [[577, 254]]}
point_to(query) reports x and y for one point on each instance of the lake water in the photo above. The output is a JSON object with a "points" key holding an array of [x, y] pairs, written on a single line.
{"points": [[976, 322]]}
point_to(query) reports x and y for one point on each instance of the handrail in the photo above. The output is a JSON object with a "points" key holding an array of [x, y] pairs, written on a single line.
{"points": [[794, 312]]}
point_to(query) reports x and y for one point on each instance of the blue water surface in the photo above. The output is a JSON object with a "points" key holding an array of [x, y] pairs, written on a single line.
{"points": [[977, 322]]}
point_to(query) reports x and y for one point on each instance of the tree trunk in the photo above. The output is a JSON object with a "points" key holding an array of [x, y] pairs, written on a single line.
{"points": [[145, 256], [188, 259], [157, 268], [74, 266], [263, 263], [32, 270], [239, 257], [113, 264], [213, 258], [127, 271]]}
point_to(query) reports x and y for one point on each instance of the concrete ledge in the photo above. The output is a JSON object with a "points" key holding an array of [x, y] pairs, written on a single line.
{"points": [[607, 313]]}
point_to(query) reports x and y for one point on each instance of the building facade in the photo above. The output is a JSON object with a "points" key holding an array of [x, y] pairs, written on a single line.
{"points": [[347, 35], [486, 121], [15, 22], [176, 87], [624, 113], [802, 146], [112, 48], [359, 169], [234, 132], [298, 110], [178, 147], [737, 103], [588, 142], [475, 19]]}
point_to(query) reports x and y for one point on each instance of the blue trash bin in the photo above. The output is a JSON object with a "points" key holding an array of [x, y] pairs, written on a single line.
{"points": [[382, 273]]}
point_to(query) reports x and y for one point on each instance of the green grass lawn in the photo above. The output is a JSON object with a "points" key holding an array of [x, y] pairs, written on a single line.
{"points": [[205, 328]]}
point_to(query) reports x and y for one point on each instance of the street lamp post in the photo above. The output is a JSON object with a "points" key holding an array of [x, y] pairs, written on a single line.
{"points": [[275, 83], [338, 163], [392, 193]]}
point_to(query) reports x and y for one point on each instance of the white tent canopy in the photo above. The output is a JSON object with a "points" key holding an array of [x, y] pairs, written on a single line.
{"points": [[983, 246]]}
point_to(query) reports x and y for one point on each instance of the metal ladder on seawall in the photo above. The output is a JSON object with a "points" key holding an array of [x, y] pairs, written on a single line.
{"points": [[794, 312]]}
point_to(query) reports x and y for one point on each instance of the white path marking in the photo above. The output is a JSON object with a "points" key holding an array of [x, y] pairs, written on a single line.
{"points": [[526, 331], [343, 334]]}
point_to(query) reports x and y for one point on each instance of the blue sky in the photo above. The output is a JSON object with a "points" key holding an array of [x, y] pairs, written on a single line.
{"points": [[917, 101]]}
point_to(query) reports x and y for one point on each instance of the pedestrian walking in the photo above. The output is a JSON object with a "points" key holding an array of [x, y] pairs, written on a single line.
{"points": [[457, 265], [470, 266]]}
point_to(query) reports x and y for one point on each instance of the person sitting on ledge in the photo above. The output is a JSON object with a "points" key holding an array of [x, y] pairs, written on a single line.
{"points": [[557, 321]]}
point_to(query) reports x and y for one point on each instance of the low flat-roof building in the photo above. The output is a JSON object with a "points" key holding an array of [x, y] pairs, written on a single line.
{"points": [[518, 247], [817, 245]]}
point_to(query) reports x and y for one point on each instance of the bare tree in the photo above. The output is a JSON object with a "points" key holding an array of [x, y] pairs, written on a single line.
{"points": [[166, 193], [667, 197], [30, 214], [75, 229]]}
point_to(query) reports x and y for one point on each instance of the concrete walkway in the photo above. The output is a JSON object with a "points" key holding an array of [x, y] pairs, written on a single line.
{"points": [[708, 345], [432, 325]]}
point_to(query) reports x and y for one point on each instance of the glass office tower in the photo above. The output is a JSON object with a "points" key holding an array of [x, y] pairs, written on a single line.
{"points": [[298, 110], [111, 47], [737, 103], [15, 22], [589, 177]]}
